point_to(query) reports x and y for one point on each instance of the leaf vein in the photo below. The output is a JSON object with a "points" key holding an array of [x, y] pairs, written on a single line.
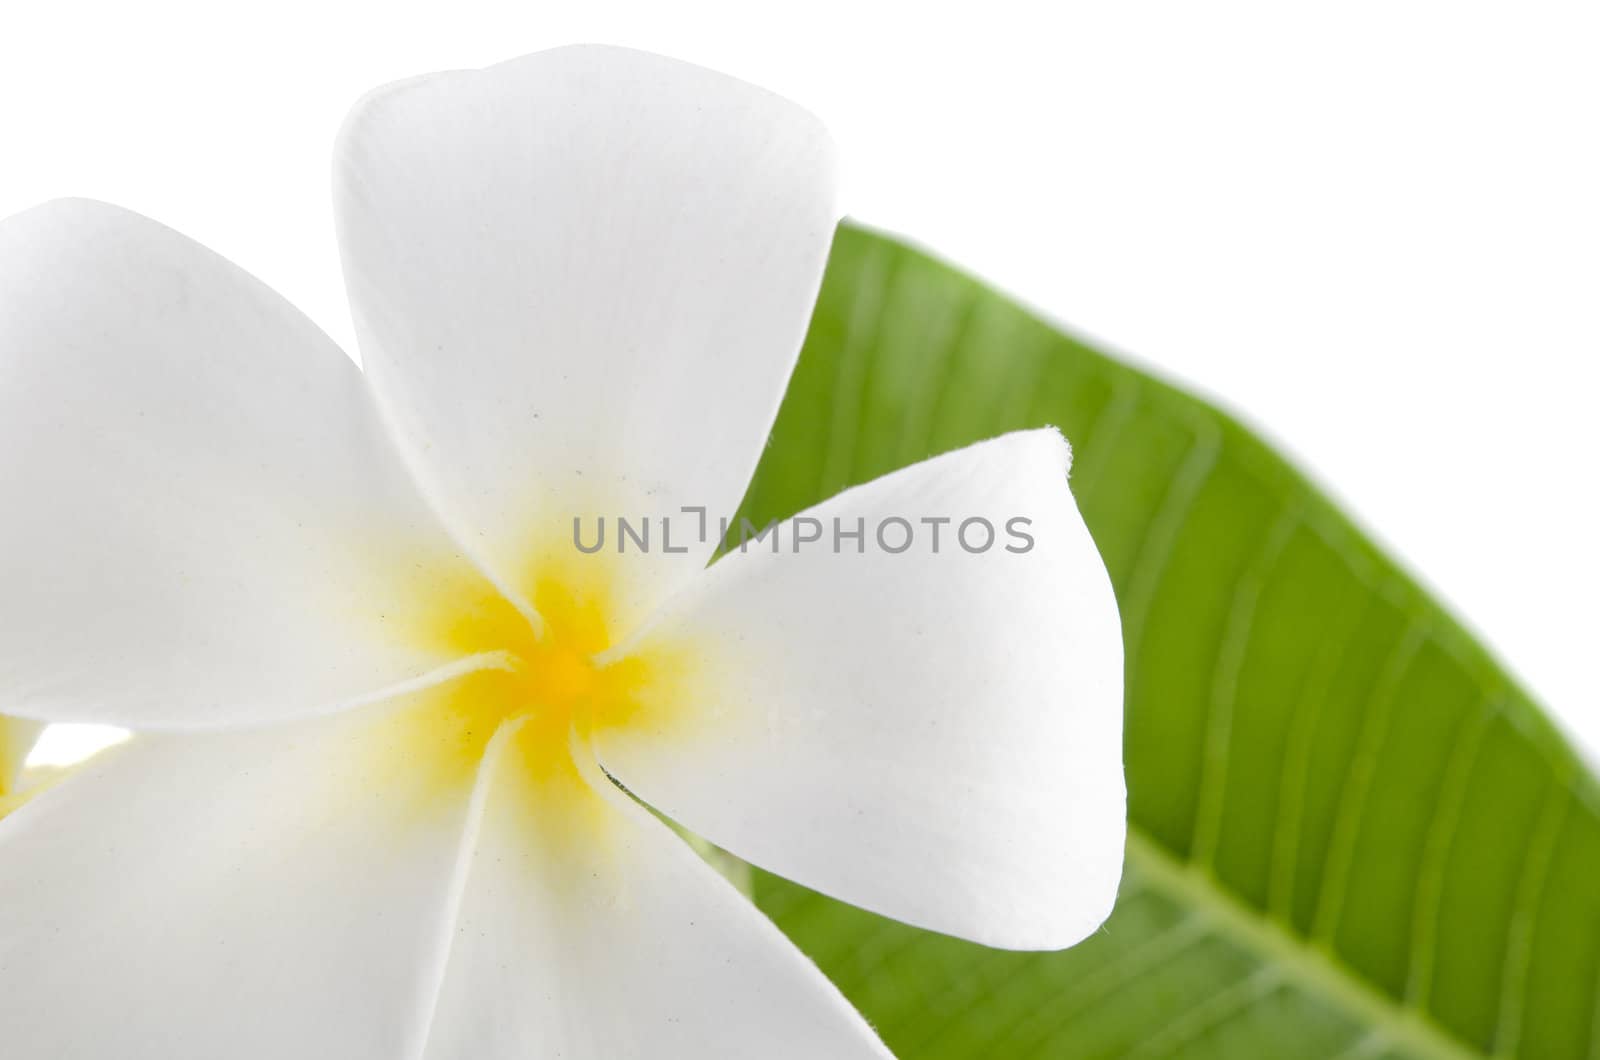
{"points": [[1212, 797], [1358, 782]]}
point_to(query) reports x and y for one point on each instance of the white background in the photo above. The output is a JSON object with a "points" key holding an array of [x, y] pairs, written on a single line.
{"points": [[1373, 232]]}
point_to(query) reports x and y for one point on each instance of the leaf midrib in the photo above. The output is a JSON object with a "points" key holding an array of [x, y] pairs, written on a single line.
{"points": [[1304, 963]]}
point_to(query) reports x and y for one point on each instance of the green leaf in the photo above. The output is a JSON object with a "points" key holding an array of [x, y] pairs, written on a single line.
{"points": [[1351, 834]]}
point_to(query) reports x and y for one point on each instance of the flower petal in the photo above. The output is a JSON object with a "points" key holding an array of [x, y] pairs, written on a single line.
{"points": [[581, 279], [204, 522], [935, 736], [588, 931], [275, 893]]}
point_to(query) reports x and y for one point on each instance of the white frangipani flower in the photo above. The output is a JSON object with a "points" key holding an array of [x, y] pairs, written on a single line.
{"points": [[381, 695]]}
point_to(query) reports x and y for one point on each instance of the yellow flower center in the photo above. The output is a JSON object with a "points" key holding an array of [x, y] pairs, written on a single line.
{"points": [[549, 684]]}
